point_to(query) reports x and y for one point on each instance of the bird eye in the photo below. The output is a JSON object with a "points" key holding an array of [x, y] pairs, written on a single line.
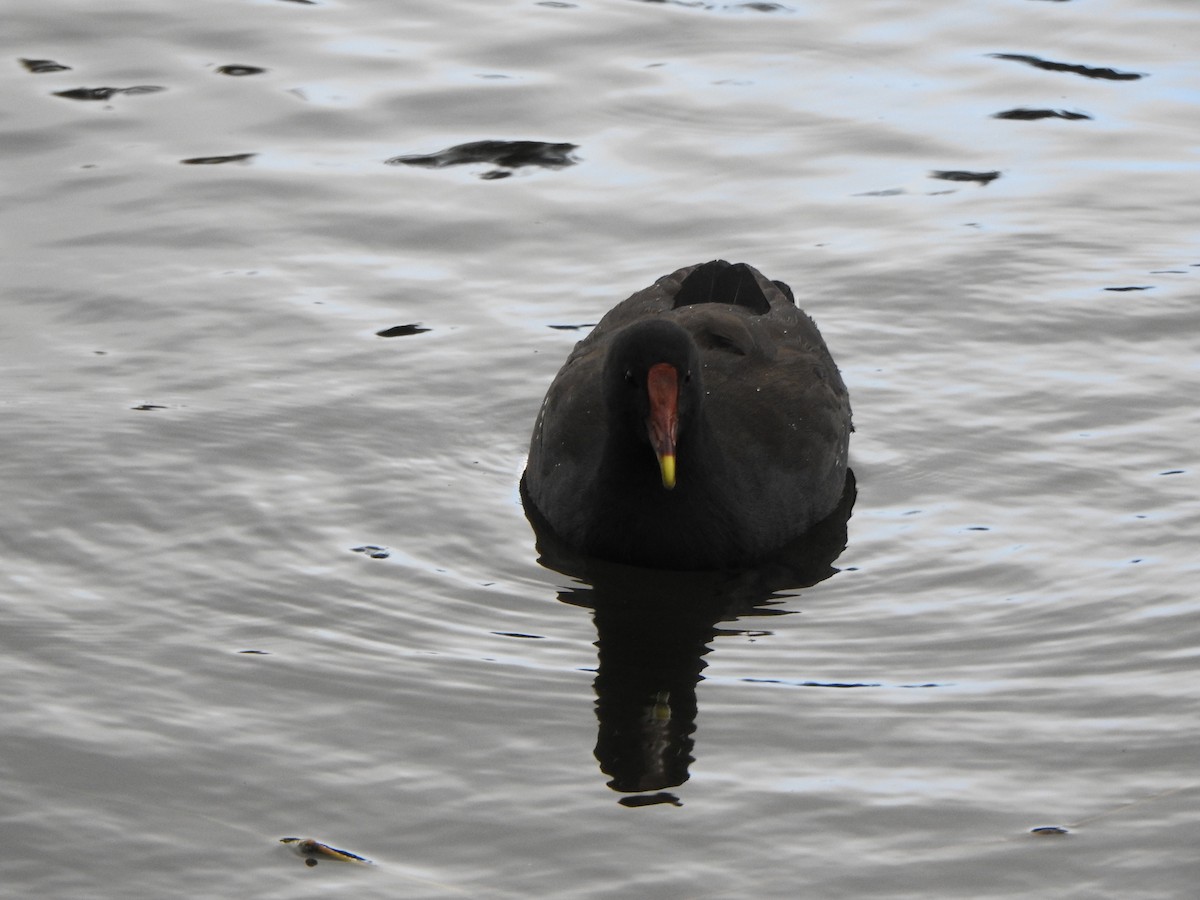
{"points": [[629, 379], [687, 376]]}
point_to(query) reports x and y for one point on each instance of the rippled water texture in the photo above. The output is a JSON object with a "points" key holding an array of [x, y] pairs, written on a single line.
{"points": [[285, 283]]}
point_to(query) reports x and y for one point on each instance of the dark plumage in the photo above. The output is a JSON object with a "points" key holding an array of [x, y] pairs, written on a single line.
{"points": [[715, 371]]}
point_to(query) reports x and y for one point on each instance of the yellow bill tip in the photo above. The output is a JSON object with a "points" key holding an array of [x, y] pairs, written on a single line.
{"points": [[666, 463]]}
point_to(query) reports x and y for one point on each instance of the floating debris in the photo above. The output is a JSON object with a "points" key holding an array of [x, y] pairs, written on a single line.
{"points": [[100, 93], [506, 154], [311, 849], [754, 6], [218, 160], [1044, 830], [840, 685], [104, 93], [372, 551], [42, 66], [239, 70], [517, 634], [1086, 71], [1033, 114], [958, 175], [402, 330]]}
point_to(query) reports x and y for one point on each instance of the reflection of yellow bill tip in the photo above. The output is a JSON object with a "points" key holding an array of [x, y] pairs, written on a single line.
{"points": [[666, 463]]}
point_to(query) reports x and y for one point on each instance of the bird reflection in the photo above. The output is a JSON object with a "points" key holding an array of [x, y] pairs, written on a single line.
{"points": [[654, 629]]}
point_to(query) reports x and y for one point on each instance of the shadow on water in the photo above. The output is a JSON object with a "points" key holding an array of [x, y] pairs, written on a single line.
{"points": [[654, 628]]}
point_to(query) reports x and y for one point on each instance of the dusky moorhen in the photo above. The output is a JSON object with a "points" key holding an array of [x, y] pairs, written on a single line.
{"points": [[702, 424]]}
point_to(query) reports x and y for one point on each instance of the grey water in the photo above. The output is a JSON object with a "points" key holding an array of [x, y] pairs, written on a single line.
{"points": [[284, 283]]}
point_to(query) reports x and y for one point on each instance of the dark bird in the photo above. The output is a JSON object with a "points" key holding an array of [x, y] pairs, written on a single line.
{"points": [[702, 424]]}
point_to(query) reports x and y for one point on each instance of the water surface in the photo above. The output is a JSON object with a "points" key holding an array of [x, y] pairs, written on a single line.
{"points": [[266, 570]]}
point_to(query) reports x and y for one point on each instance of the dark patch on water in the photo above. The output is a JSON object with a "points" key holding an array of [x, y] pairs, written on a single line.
{"points": [[961, 175], [650, 800], [254, 652], [104, 93], [148, 406], [373, 551], [239, 70], [1087, 71], [1048, 830], [1132, 287], [42, 66], [310, 849], [1174, 472], [824, 684], [506, 154], [517, 634], [837, 684], [1032, 114], [218, 160], [402, 330], [699, 4], [579, 327]]}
